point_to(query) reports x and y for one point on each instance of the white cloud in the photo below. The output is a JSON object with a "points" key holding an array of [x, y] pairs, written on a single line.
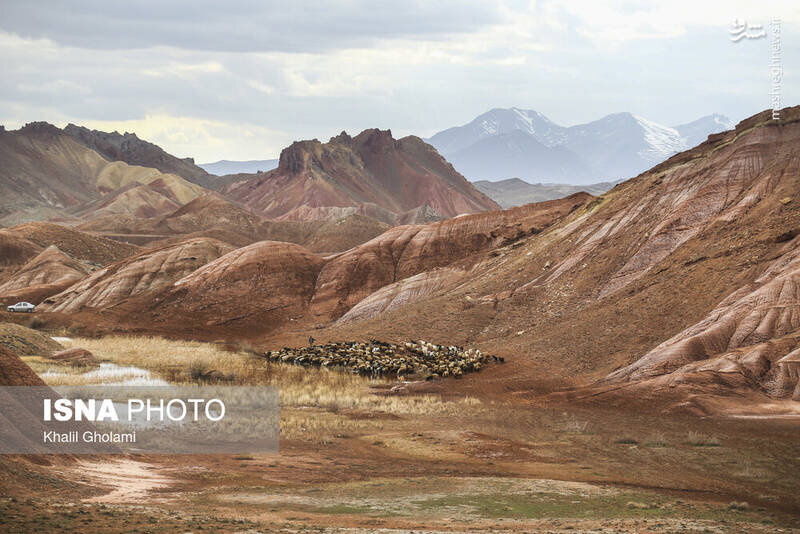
{"points": [[616, 21], [262, 87], [189, 136], [574, 61], [56, 88], [242, 25]]}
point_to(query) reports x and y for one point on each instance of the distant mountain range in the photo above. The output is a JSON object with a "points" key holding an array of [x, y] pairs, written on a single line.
{"points": [[77, 174], [515, 192], [519, 143], [225, 166]]}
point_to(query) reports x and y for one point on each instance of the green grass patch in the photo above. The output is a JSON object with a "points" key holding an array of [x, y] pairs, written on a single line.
{"points": [[550, 505], [347, 509]]}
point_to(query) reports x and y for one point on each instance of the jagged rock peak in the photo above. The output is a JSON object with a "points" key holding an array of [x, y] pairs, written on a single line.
{"points": [[74, 129], [343, 138], [376, 139], [295, 157], [40, 127]]}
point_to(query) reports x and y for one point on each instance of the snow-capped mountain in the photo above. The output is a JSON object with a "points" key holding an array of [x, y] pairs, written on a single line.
{"points": [[499, 122], [621, 146], [695, 132], [506, 154], [507, 143]]}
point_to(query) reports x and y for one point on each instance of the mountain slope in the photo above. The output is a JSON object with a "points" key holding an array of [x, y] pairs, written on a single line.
{"points": [[372, 172], [499, 122], [260, 288], [213, 216], [697, 131], [615, 147], [42, 171], [139, 191], [40, 259], [129, 148], [506, 154], [48, 273], [79, 245], [623, 145], [45, 173], [406, 251], [516, 192], [678, 284], [15, 251], [15, 372], [146, 272]]}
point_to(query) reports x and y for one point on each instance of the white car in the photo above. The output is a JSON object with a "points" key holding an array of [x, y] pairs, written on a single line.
{"points": [[22, 307]]}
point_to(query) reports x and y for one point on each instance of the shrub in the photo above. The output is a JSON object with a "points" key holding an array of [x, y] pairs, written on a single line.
{"points": [[696, 439], [197, 370], [75, 329], [36, 323]]}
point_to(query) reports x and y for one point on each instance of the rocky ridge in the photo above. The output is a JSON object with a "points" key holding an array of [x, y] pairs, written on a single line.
{"points": [[129, 148], [372, 173], [45, 174]]}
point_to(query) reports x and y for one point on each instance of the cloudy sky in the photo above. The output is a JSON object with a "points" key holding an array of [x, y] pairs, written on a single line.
{"points": [[242, 79]]}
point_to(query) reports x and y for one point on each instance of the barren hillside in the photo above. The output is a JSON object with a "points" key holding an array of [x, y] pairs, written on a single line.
{"points": [[46, 174], [371, 174], [682, 277], [214, 216], [129, 148]]}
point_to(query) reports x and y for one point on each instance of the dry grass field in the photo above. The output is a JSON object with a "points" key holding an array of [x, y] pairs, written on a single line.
{"points": [[357, 455], [315, 401]]}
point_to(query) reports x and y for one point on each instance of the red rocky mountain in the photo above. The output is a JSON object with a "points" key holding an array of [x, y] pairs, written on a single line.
{"points": [[393, 180]]}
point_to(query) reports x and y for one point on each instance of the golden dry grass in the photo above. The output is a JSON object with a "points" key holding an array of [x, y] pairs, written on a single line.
{"points": [[315, 402], [174, 361], [41, 365]]}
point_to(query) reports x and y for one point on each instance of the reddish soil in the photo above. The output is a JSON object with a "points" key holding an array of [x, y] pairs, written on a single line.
{"points": [[507, 467], [14, 372], [218, 218], [48, 273], [385, 178]]}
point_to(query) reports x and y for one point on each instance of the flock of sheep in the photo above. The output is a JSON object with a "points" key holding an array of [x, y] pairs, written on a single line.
{"points": [[380, 359]]}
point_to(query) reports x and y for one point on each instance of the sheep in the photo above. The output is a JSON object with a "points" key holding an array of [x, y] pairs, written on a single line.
{"points": [[378, 358]]}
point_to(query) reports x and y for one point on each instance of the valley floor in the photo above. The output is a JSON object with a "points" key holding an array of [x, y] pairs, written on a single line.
{"points": [[357, 457]]}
